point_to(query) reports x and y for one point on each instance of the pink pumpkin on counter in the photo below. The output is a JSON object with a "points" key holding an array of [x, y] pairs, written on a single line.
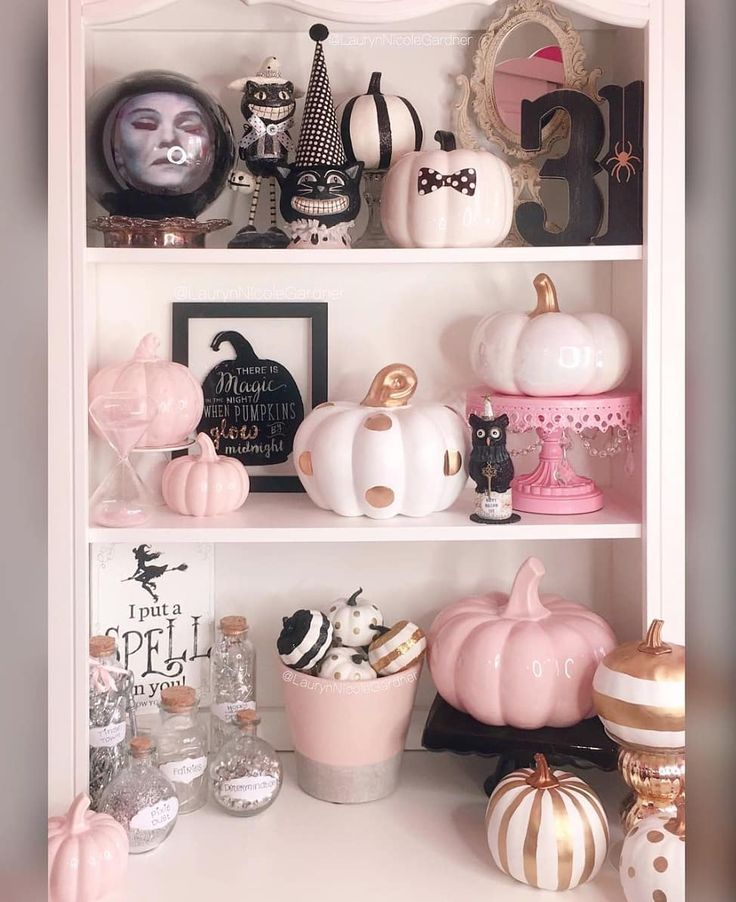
{"points": [[520, 661], [88, 854], [206, 485], [171, 386]]}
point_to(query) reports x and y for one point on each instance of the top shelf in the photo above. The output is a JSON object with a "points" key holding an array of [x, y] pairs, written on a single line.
{"points": [[364, 256]]}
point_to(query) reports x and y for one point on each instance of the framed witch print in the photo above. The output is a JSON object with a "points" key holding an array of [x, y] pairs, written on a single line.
{"points": [[262, 367]]}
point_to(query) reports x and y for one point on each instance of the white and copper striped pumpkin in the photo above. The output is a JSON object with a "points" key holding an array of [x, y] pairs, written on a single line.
{"points": [[397, 648], [384, 456], [546, 828], [639, 692]]}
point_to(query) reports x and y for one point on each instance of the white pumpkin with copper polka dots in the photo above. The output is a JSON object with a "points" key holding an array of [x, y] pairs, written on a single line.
{"points": [[355, 621], [397, 648], [384, 456], [639, 692], [652, 867], [546, 828]]}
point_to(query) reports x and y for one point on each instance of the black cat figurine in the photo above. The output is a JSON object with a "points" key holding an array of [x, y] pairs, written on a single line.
{"points": [[491, 468]]}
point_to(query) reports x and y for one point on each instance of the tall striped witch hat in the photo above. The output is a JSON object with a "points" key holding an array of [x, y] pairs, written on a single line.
{"points": [[320, 143]]}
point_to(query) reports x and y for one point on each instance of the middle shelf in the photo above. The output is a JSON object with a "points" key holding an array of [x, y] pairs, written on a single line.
{"points": [[272, 518]]}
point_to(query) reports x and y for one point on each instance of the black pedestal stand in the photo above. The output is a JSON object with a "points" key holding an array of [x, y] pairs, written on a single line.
{"points": [[583, 745]]}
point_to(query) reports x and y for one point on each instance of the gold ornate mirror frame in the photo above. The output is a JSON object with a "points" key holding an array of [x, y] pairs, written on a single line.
{"points": [[518, 13]]}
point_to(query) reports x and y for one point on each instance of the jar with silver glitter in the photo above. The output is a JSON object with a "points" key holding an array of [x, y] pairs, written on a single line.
{"points": [[142, 799], [246, 774], [233, 679], [182, 746], [111, 716]]}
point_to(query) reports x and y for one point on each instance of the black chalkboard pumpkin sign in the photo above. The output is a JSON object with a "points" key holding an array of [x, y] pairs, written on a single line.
{"points": [[252, 406]]}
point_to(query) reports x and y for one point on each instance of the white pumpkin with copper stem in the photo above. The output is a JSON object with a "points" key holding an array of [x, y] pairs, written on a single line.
{"points": [[384, 456], [548, 353]]}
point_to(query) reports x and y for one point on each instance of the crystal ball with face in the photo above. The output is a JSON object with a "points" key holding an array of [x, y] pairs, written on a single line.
{"points": [[158, 145]]}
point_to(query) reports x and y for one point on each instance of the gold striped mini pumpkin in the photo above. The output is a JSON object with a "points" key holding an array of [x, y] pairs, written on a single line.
{"points": [[639, 692], [546, 828], [397, 648]]}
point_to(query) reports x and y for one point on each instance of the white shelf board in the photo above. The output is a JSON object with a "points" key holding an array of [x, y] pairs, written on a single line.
{"points": [[364, 256], [426, 841], [292, 517]]}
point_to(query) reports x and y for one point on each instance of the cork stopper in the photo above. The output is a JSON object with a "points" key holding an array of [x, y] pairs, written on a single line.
{"points": [[177, 699], [102, 646], [247, 717], [141, 746], [233, 625]]}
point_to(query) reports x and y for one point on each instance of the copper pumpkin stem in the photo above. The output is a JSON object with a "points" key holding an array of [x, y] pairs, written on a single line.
{"points": [[542, 778], [546, 296], [676, 825], [393, 386], [653, 644]]}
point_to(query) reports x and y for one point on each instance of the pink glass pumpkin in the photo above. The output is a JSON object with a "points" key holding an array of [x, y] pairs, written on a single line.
{"points": [[206, 485], [172, 386], [520, 661], [88, 854]]}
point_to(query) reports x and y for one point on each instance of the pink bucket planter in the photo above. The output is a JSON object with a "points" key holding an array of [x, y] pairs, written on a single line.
{"points": [[349, 737]]}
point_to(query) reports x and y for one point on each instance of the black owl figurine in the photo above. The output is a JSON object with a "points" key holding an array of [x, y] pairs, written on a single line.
{"points": [[491, 468], [267, 105]]}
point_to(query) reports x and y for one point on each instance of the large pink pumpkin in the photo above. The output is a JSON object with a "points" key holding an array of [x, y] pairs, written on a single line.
{"points": [[206, 485], [177, 394], [88, 854], [520, 661]]}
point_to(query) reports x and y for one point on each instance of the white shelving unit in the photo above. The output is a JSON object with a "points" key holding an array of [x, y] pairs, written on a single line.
{"points": [[418, 306]]}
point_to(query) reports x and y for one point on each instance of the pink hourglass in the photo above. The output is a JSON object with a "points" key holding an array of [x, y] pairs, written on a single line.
{"points": [[121, 498]]}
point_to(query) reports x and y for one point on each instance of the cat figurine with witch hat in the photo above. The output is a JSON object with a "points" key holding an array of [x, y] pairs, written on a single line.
{"points": [[491, 468], [320, 191]]}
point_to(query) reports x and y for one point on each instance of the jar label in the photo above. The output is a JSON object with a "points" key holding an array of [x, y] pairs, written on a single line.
{"points": [[154, 817], [107, 737], [184, 771], [248, 789], [226, 711]]}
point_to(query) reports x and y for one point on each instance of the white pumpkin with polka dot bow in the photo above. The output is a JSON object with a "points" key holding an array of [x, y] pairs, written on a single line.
{"points": [[652, 867], [384, 456], [448, 198], [343, 663], [355, 622]]}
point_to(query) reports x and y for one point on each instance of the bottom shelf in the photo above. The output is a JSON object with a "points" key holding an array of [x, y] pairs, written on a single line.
{"points": [[426, 842]]}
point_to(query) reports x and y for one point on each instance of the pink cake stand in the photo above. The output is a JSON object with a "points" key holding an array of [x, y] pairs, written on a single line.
{"points": [[554, 487]]}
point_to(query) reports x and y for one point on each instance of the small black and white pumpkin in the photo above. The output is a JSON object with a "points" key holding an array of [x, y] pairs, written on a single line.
{"points": [[305, 639], [346, 664], [397, 648], [378, 128], [354, 623]]}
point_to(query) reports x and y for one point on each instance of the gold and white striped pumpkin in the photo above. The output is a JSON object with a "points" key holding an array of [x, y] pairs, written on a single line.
{"points": [[639, 692], [397, 648], [546, 828]]}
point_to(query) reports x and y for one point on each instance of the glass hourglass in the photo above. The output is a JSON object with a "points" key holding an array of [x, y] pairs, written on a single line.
{"points": [[121, 499]]}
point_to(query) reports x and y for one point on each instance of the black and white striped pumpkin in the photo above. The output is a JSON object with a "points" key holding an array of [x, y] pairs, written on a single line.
{"points": [[378, 128], [305, 639]]}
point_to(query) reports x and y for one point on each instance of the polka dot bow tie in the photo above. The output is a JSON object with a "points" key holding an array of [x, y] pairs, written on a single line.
{"points": [[430, 180]]}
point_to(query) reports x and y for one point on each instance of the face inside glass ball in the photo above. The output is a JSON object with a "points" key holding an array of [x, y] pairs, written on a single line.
{"points": [[162, 142]]}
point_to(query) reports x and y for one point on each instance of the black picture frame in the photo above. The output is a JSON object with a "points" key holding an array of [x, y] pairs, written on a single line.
{"points": [[183, 312]]}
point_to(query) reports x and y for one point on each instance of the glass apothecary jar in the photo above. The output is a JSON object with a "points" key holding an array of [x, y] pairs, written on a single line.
{"points": [[246, 774], [111, 715], [233, 678], [141, 798], [182, 746]]}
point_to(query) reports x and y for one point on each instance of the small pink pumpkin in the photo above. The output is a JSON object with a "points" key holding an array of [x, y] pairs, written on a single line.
{"points": [[206, 485], [176, 393], [88, 854], [520, 661]]}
